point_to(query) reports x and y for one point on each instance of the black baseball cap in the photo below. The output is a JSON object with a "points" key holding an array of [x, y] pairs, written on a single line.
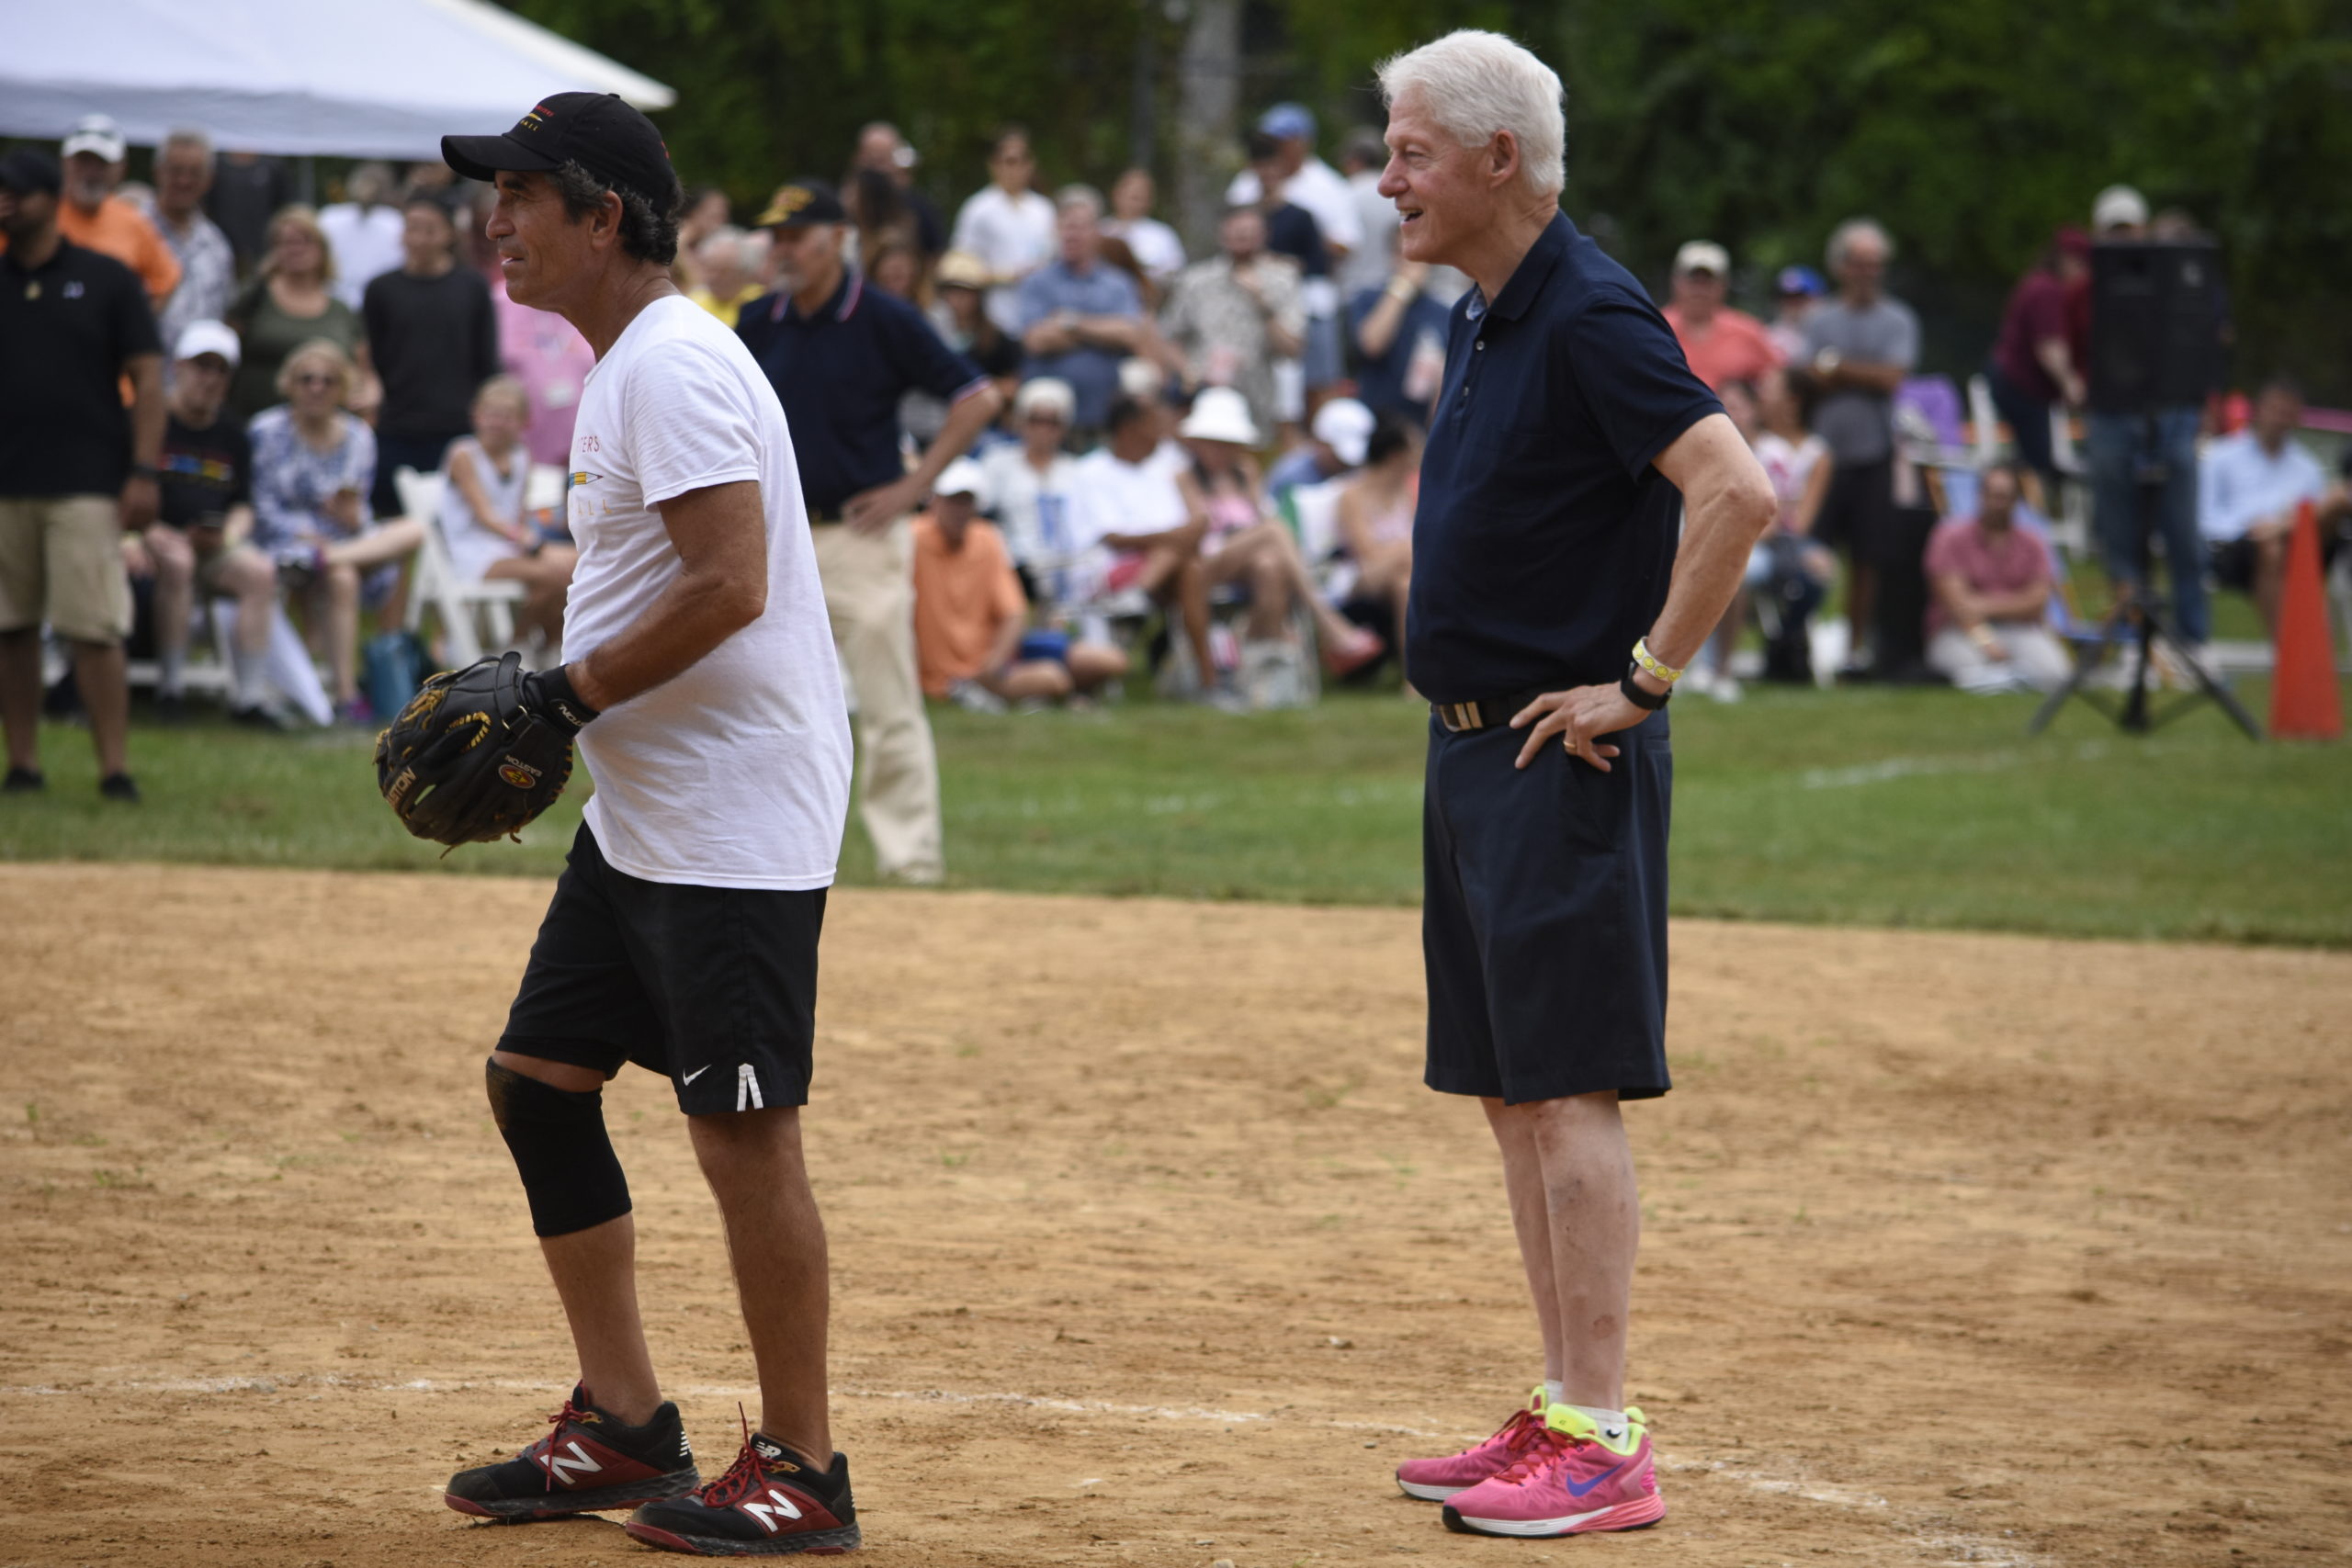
{"points": [[802, 202], [27, 169], [596, 131]]}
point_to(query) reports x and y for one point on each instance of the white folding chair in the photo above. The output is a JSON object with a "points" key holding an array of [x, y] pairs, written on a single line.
{"points": [[455, 602]]}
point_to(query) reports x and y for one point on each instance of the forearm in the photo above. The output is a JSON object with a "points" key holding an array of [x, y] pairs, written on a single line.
{"points": [[692, 617], [1281, 342], [239, 526], [1108, 332], [1727, 503], [147, 411], [1884, 379], [967, 417], [2024, 604], [1006, 644], [2057, 364], [1379, 329]]}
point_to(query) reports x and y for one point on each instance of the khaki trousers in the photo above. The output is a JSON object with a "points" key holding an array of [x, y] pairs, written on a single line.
{"points": [[870, 599]]}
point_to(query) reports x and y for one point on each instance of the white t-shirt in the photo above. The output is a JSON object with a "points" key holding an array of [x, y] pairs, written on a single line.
{"points": [[1157, 249], [1789, 465], [366, 245], [1108, 496], [1367, 265], [1011, 235], [735, 775], [1030, 507]]}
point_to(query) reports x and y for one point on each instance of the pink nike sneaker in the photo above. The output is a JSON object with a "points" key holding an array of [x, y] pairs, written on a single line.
{"points": [[1435, 1480], [1577, 1481]]}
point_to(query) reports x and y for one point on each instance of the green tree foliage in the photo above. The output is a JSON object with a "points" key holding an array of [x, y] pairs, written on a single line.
{"points": [[1970, 128]]}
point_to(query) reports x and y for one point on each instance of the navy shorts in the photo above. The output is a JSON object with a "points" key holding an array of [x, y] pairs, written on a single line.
{"points": [[713, 987], [1543, 916]]}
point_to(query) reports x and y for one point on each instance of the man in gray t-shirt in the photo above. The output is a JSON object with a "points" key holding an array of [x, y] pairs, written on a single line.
{"points": [[1860, 347]]}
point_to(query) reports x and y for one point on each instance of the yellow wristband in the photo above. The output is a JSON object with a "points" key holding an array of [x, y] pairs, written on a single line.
{"points": [[1651, 662]]}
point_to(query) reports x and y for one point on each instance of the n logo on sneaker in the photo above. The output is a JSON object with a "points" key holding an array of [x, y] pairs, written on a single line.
{"points": [[769, 1506], [563, 1469]]}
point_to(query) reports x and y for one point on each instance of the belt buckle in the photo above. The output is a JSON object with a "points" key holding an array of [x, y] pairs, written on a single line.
{"points": [[1461, 716]]}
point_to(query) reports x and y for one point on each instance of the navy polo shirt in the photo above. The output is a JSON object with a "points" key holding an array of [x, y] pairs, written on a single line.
{"points": [[1545, 539], [839, 375]]}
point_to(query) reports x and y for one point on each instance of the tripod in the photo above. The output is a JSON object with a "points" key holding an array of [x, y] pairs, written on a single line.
{"points": [[2137, 625]]}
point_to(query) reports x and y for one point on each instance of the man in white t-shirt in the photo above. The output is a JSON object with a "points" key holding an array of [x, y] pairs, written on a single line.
{"points": [[683, 934], [1138, 522], [1008, 225], [364, 232]]}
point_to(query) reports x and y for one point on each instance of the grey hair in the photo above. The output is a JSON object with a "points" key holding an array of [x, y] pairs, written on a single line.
{"points": [[188, 136], [1478, 83], [1084, 195], [1842, 238], [726, 237], [649, 222]]}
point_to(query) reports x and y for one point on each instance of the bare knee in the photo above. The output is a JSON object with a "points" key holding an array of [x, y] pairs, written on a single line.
{"points": [[555, 1075]]}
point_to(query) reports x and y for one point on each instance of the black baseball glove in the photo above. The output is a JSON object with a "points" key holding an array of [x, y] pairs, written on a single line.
{"points": [[479, 752]]}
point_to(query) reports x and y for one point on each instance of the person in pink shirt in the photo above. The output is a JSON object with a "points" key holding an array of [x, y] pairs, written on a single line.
{"points": [[1722, 344], [1987, 626], [541, 350]]}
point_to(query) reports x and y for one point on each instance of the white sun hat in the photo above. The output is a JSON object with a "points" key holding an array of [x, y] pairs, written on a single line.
{"points": [[1220, 413]]}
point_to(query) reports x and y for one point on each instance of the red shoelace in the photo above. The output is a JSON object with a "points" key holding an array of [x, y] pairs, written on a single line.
{"points": [[1542, 1444], [741, 1476], [539, 1451]]}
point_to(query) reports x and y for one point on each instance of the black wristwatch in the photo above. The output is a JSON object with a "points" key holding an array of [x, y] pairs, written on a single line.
{"points": [[145, 471], [1638, 696]]}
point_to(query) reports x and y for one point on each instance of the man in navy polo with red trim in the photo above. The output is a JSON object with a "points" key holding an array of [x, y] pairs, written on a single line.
{"points": [[841, 356], [1551, 609]]}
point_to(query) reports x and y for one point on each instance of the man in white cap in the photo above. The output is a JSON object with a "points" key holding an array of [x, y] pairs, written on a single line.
{"points": [[2120, 212], [1334, 445], [972, 635], [1723, 344], [197, 542], [92, 217]]}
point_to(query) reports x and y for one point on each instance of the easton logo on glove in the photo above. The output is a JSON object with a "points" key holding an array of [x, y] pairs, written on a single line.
{"points": [[479, 752]]}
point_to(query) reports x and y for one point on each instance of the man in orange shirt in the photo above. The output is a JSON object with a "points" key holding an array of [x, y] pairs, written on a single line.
{"points": [[970, 615], [1723, 344], [92, 217]]}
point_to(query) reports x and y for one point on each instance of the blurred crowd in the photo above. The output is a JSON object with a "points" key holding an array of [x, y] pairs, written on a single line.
{"points": [[1198, 468]]}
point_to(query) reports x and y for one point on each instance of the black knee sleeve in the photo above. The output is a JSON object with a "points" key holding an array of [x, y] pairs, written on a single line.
{"points": [[557, 1136]]}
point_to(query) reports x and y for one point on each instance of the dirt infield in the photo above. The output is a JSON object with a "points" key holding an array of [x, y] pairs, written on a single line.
{"points": [[1150, 1249]]}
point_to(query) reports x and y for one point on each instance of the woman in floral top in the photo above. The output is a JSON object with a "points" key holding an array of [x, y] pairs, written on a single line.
{"points": [[313, 465]]}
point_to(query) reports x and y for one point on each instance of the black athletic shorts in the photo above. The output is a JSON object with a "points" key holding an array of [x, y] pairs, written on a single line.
{"points": [[1858, 514], [713, 987], [2232, 562], [1544, 915]]}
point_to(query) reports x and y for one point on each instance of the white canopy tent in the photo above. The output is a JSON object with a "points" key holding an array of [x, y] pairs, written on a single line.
{"points": [[351, 78]]}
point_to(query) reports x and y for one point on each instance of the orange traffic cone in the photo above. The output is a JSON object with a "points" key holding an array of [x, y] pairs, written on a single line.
{"points": [[2305, 704]]}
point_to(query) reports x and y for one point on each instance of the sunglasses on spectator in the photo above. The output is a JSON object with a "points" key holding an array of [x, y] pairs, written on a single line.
{"points": [[1047, 418], [316, 378]]}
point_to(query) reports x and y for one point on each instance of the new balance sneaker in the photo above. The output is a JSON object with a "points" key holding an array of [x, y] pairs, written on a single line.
{"points": [[770, 1503], [1435, 1480], [1576, 1480], [588, 1461]]}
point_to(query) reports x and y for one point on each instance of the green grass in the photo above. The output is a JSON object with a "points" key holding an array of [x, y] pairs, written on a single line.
{"points": [[1859, 807]]}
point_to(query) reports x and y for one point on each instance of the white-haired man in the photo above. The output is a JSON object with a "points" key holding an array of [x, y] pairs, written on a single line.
{"points": [[1860, 347], [1550, 601]]}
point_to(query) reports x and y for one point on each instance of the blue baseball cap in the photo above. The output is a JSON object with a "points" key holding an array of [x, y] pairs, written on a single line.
{"points": [[1284, 121], [1799, 281]]}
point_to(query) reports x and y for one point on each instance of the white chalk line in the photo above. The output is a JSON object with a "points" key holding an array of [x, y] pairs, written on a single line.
{"points": [[1966, 1551]]}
